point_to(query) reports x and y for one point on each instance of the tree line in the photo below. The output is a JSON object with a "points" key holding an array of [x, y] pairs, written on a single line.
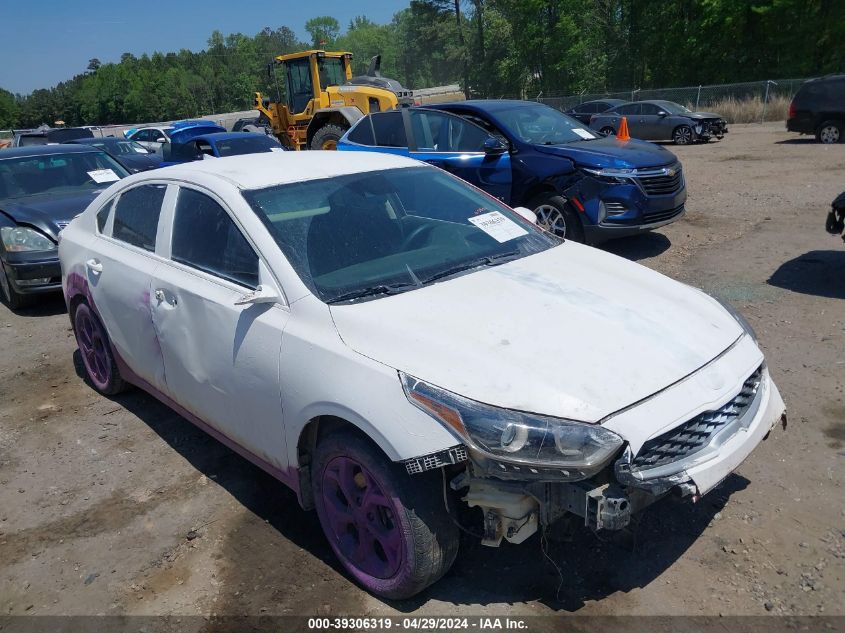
{"points": [[492, 48]]}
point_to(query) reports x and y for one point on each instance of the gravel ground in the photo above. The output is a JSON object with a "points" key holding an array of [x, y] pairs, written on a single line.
{"points": [[120, 506]]}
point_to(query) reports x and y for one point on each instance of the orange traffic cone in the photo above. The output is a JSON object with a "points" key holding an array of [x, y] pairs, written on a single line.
{"points": [[622, 134]]}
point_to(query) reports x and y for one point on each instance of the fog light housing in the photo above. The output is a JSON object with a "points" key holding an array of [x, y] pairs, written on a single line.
{"points": [[40, 281]]}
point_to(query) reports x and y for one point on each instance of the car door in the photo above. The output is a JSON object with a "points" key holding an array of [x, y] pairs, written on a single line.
{"points": [[221, 358], [631, 112], [653, 125], [125, 254], [462, 148]]}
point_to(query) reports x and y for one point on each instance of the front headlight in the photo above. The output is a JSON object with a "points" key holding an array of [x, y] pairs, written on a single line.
{"points": [[18, 239], [616, 176], [515, 436]]}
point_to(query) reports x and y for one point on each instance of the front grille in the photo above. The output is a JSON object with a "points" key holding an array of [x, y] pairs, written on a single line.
{"points": [[453, 455], [662, 182], [661, 216], [695, 434]]}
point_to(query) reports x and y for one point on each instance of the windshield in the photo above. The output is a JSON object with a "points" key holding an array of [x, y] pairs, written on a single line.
{"points": [[398, 228], [539, 124], [57, 174], [672, 108], [331, 71], [253, 144]]}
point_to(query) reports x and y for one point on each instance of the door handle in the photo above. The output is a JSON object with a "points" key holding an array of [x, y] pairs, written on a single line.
{"points": [[94, 266], [161, 297]]}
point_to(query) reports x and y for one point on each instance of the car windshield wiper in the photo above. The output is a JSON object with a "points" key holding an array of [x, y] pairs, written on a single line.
{"points": [[371, 291], [488, 260]]}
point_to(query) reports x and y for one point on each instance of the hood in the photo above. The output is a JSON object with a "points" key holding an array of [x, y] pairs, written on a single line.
{"points": [[704, 115], [571, 332], [610, 152], [48, 214], [139, 162]]}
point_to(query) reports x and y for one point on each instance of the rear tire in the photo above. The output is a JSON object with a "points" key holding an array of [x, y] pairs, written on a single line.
{"points": [[11, 297], [95, 348], [556, 215], [327, 137], [830, 132], [390, 530]]}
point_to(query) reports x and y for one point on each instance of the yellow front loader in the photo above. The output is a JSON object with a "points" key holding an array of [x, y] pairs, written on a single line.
{"points": [[324, 100]]}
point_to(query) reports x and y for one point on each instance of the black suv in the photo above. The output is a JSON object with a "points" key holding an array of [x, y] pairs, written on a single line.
{"points": [[819, 108]]}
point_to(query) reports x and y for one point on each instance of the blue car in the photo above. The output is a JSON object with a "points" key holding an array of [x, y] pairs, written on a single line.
{"points": [[199, 146], [581, 186]]}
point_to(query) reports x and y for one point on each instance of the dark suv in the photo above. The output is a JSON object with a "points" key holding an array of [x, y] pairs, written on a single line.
{"points": [[818, 108]]}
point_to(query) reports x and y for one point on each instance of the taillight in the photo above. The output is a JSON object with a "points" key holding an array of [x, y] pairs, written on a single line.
{"points": [[792, 110]]}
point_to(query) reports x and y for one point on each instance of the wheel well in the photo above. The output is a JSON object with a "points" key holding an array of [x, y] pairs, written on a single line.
{"points": [[73, 304], [309, 437], [539, 189], [322, 119]]}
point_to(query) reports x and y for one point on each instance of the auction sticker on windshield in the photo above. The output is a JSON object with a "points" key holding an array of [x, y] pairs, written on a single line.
{"points": [[103, 175], [498, 226], [583, 133]]}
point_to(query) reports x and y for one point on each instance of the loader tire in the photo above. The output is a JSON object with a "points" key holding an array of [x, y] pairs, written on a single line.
{"points": [[327, 137]]}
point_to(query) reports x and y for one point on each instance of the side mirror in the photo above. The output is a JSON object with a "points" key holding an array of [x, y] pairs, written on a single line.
{"points": [[494, 147], [262, 294], [662, 113], [527, 214], [161, 139]]}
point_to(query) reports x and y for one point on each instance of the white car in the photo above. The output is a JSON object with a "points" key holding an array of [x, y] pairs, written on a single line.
{"points": [[396, 345], [150, 137]]}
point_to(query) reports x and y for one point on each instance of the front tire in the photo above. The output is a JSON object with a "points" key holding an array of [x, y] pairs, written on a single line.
{"points": [[390, 530], [683, 135], [97, 358], [327, 137], [555, 215], [830, 132]]}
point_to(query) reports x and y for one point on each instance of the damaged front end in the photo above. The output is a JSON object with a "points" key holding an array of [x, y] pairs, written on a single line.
{"points": [[506, 497], [710, 128]]}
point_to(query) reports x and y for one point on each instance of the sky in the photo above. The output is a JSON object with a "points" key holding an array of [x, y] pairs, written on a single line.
{"points": [[45, 42]]}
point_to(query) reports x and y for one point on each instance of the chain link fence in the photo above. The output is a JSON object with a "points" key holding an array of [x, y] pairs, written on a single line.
{"points": [[753, 101]]}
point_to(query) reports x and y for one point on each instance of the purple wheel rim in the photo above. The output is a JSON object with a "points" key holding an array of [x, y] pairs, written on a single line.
{"points": [[92, 343], [362, 520]]}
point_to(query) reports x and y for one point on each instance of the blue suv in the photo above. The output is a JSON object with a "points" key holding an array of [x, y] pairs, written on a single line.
{"points": [[580, 185]]}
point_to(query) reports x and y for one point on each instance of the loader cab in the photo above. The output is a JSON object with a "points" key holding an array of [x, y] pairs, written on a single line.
{"points": [[309, 73]]}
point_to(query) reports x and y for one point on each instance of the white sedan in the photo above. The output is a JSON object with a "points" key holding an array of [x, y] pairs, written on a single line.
{"points": [[397, 347]]}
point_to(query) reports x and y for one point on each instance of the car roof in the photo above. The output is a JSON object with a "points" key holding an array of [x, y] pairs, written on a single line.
{"points": [[257, 171], [225, 136], [46, 150], [485, 105], [613, 101], [98, 139]]}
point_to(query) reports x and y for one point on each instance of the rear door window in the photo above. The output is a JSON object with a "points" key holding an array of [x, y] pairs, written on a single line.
{"points": [[136, 216], [627, 110], [440, 132], [206, 238], [389, 129], [363, 133]]}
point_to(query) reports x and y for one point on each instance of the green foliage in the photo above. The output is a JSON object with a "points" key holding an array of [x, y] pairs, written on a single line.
{"points": [[491, 47], [323, 31]]}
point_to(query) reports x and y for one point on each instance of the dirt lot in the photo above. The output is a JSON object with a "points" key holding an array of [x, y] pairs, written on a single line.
{"points": [[120, 506]]}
